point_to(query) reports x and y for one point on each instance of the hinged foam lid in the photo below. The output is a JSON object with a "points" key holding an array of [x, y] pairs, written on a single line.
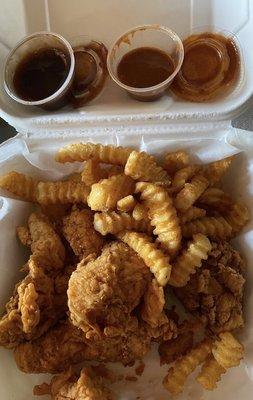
{"points": [[105, 20]]}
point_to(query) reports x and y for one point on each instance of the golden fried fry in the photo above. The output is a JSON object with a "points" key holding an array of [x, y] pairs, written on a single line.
{"points": [[75, 177], [143, 167], [213, 227], [153, 304], [21, 185], [140, 212], [126, 204], [62, 192], [191, 214], [105, 194], [115, 170], [227, 351], [182, 176], [154, 258], [30, 189], [162, 214], [217, 169], [216, 199], [210, 374], [84, 151], [237, 217], [172, 162], [92, 172], [177, 375], [190, 193], [172, 349], [189, 260], [113, 222]]}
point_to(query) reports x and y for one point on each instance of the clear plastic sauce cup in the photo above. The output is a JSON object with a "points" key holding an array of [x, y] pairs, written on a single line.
{"points": [[28, 46], [151, 36]]}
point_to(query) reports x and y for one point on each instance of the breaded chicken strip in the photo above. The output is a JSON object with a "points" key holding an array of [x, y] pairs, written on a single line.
{"points": [[66, 344], [45, 244], [103, 294], [31, 310], [79, 231], [69, 386], [215, 292]]}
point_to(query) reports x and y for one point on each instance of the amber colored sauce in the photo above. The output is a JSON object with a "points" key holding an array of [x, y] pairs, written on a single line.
{"points": [[210, 68], [41, 74], [145, 67]]}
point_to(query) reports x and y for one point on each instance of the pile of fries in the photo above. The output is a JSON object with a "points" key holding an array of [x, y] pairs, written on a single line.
{"points": [[170, 214]]}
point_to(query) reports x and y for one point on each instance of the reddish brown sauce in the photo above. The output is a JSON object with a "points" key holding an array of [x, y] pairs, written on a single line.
{"points": [[210, 68], [144, 67], [41, 74]]}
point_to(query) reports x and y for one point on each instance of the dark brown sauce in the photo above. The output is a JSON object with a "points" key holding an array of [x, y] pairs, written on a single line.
{"points": [[145, 67], [210, 68], [41, 74], [89, 77]]}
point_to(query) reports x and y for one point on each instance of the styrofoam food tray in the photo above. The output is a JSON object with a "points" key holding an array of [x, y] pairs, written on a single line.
{"points": [[34, 155], [106, 20]]}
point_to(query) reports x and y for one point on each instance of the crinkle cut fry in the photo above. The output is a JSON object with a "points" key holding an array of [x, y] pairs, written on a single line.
{"points": [[143, 167], [190, 193], [237, 217], [126, 204], [140, 212], [154, 258], [214, 227], [183, 175], [217, 169], [163, 215], [191, 214], [114, 222], [172, 162], [108, 154], [30, 189], [189, 260], [177, 375], [227, 351], [105, 194], [210, 374], [92, 172]]}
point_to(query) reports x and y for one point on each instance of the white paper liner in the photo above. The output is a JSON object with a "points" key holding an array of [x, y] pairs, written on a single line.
{"points": [[36, 157]]}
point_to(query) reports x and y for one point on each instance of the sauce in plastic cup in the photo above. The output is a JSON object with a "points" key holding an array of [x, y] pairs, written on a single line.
{"points": [[147, 36], [29, 46]]}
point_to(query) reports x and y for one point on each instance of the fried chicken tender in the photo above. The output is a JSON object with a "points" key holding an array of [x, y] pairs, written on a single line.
{"points": [[69, 386], [66, 344], [46, 245], [170, 350], [79, 231], [215, 292], [104, 292], [31, 310]]}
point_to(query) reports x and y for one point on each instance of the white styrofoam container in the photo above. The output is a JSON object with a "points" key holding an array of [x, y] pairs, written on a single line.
{"points": [[203, 129], [34, 155], [105, 20]]}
